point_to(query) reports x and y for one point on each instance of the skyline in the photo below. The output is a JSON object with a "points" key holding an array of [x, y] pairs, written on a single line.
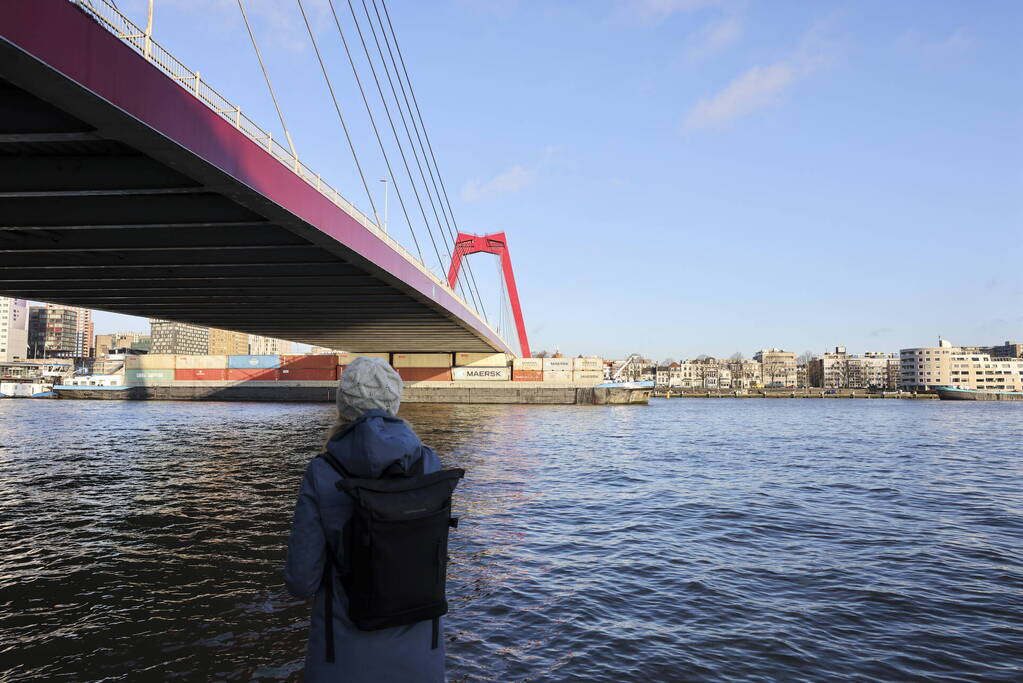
{"points": [[816, 172]]}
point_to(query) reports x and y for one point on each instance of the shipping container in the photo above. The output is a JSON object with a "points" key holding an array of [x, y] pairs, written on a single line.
{"points": [[161, 361], [588, 376], [347, 358], [139, 376], [501, 374], [527, 375], [425, 374], [308, 361], [481, 360], [557, 364], [253, 374], [318, 374], [200, 374], [253, 362], [527, 363], [203, 362], [421, 360], [557, 376], [588, 364]]}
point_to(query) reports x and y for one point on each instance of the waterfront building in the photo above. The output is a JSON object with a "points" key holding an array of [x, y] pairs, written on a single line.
{"points": [[132, 342], [778, 367], [982, 371], [745, 374], [321, 351], [926, 367], [13, 329], [268, 345], [52, 332], [226, 342], [1009, 349], [171, 337], [842, 370]]}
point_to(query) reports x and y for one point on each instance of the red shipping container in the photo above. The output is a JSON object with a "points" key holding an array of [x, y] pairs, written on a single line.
{"points": [[200, 375], [252, 374], [320, 374], [425, 374], [527, 375], [309, 362]]}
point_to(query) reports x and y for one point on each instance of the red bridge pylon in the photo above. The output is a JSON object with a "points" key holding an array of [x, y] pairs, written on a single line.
{"points": [[491, 244]]}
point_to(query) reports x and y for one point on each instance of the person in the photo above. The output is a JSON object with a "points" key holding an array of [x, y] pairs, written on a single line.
{"points": [[366, 440]]}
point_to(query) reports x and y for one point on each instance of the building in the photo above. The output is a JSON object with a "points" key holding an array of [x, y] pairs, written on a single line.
{"points": [[129, 342], [982, 371], [56, 331], [842, 370], [227, 343], [746, 374], [777, 367], [926, 367], [268, 345], [52, 332], [320, 351], [13, 329], [1007, 350], [173, 337]]}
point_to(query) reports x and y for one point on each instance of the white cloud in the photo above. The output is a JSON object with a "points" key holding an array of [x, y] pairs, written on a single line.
{"points": [[957, 42], [713, 37], [762, 85], [508, 182], [514, 179], [656, 11]]}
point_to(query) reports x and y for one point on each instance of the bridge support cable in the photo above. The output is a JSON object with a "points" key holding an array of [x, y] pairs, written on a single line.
{"points": [[477, 299], [422, 125], [340, 116], [394, 131], [376, 132], [266, 76]]}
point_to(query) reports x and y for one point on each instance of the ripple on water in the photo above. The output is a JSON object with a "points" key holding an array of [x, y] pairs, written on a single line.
{"points": [[690, 540]]}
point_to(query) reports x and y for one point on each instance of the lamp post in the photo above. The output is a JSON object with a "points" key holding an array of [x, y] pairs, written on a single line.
{"points": [[384, 181]]}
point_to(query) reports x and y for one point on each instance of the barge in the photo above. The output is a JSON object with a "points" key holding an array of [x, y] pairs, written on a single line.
{"points": [[957, 394]]}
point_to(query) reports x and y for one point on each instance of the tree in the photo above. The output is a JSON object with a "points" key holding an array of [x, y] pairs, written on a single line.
{"points": [[737, 357], [541, 354], [805, 357], [666, 362]]}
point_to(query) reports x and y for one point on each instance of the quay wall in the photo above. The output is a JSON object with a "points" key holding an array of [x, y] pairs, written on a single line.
{"points": [[791, 393]]}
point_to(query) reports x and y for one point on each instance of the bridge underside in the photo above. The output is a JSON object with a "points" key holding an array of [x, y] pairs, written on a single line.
{"points": [[100, 210]]}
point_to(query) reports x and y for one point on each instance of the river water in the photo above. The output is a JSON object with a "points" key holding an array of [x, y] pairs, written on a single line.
{"points": [[694, 539]]}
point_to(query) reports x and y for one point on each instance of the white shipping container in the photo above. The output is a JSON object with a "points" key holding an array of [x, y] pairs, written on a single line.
{"points": [[200, 362], [588, 364], [588, 376], [421, 360], [150, 361], [527, 363], [345, 358], [557, 364], [500, 374], [481, 360], [557, 376]]}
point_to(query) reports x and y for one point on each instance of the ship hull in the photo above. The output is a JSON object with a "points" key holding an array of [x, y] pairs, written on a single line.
{"points": [[951, 394]]}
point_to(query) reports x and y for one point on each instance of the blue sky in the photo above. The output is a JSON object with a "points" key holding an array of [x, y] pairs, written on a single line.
{"points": [[680, 177]]}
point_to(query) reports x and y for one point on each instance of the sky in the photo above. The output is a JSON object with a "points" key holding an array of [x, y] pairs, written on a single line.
{"points": [[682, 177]]}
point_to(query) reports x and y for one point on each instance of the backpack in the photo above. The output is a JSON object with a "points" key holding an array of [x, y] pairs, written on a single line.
{"points": [[394, 563]]}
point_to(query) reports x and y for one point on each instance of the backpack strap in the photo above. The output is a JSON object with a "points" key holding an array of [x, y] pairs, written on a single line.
{"points": [[335, 464]]}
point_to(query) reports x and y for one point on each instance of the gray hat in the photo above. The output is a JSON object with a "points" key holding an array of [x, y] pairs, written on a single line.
{"points": [[368, 383]]}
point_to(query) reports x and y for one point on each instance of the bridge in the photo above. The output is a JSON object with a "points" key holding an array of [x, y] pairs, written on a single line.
{"points": [[128, 184]]}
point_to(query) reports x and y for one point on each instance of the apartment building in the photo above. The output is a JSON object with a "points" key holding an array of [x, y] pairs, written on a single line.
{"points": [[268, 345], [842, 370], [778, 367], [52, 332], [982, 371], [1009, 349], [173, 337], [105, 343], [926, 367], [745, 374], [227, 343], [13, 329]]}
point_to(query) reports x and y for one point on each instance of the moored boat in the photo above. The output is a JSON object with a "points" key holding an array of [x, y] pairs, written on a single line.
{"points": [[957, 394]]}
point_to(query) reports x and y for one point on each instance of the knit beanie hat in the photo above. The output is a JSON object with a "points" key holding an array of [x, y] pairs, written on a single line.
{"points": [[368, 383]]}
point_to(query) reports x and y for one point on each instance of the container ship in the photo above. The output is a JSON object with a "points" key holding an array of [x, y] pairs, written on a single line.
{"points": [[429, 378]]}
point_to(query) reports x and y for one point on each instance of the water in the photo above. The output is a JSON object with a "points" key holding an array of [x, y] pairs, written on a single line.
{"points": [[689, 540]]}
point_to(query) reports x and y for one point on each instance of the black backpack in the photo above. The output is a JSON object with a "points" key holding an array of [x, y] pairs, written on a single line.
{"points": [[395, 555]]}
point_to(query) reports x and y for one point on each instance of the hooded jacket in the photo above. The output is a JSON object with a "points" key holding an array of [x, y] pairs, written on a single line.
{"points": [[366, 447]]}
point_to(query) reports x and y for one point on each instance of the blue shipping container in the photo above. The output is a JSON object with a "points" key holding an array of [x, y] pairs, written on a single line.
{"points": [[253, 362]]}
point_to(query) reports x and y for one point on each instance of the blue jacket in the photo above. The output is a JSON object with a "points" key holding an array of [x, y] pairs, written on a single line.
{"points": [[402, 654]]}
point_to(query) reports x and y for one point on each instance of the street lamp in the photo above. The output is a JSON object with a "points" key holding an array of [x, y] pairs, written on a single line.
{"points": [[384, 181]]}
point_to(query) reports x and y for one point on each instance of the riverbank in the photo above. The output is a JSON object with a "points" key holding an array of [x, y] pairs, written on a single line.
{"points": [[793, 393]]}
